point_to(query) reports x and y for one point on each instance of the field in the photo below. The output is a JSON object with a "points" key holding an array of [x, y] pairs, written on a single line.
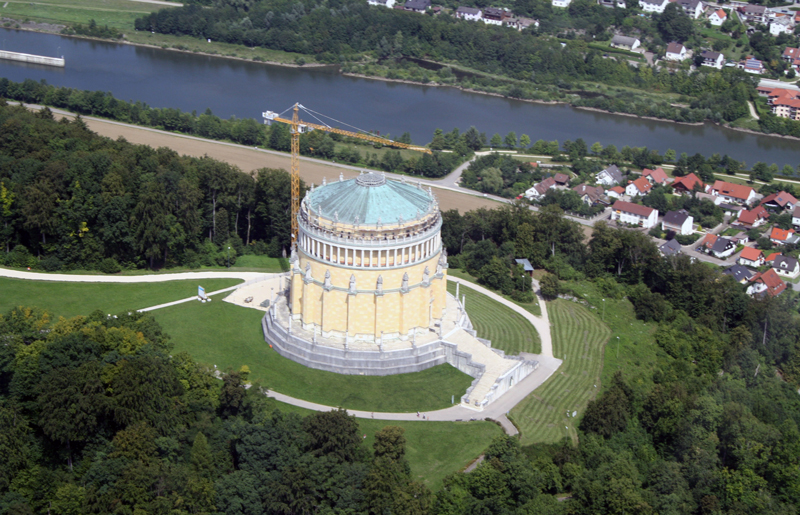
{"points": [[114, 13], [266, 264], [229, 336], [70, 299], [507, 330], [578, 339]]}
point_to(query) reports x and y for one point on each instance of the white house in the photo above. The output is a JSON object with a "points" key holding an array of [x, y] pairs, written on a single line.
{"points": [[468, 13], [751, 65], [634, 214], [653, 6], [718, 17], [611, 176], [781, 25], [382, 3], [796, 216], [561, 3], [693, 8], [751, 257], [640, 186], [539, 190], [712, 59], [675, 52], [616, 192], [679, 221], [786, 266], [494, 15], [736, 193], [625, 42]]}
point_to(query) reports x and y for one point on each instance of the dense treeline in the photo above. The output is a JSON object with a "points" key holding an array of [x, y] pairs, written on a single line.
{"points": [[76, 200], [342, 30], [96, 416]]}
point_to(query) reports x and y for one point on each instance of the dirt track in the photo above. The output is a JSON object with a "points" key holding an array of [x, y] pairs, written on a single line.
{"points": [[250, 159]]}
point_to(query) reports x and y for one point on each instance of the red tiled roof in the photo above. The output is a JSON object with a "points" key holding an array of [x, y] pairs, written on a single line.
{"points": [[772, 257], [618, 189], [561, 178], [752, 216], [736, 191], [781, 198], [709, 240], [780, 234], [791, 52], [630, 207], [721, 13], [771, 280], [658, 175], [643, 185], [751, 254], [687, 182]]}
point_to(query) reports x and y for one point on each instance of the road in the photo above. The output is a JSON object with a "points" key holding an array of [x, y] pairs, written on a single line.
{"points": [[772, 83]]}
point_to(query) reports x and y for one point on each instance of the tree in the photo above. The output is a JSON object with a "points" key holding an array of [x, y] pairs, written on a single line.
{"points": [[496, 141], [511, 140], [232, 394], [550, 286], [674, 25], [597, 148], [492, 180], [524, 141], [334, 434]]}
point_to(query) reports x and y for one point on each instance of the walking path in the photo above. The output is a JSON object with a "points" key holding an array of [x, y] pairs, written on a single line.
{"points": [[150, 278]]}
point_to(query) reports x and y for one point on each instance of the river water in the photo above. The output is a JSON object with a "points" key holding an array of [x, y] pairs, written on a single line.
{"points": [[190, 82]]}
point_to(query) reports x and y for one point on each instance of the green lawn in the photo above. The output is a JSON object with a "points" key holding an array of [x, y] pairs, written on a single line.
{"points": [[114, 13], [265, 264], [578, 339], [70, 299], [507, 330], [230, 336], [532, 307]]}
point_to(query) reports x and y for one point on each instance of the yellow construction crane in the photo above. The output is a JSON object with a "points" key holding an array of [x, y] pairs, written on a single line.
{"points": [[297, 127]]}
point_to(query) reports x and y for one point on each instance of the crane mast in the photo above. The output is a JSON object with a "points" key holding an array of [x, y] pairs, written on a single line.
{"points": [[297, 127]]}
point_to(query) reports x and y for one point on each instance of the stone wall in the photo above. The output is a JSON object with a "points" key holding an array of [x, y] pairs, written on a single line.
{"points": [[33, 59]]}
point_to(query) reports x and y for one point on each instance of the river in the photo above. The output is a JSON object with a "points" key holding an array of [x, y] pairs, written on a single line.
{"points": [[191, 82]]}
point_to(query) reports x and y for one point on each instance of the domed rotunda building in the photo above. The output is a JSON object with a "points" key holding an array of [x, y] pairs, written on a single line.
{"points": [[369, 263]]}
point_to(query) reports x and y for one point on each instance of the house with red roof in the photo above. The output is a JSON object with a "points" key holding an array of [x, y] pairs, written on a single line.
{"points": [[687, 183], [615, 192], [640, 187], [780, 236], [718, 17], [751, 257], [657, 176], [539, 190], [779, 201], [766, 283], [784, 103], [634, 214], [750, 218], [736, 193], [717, 246]]}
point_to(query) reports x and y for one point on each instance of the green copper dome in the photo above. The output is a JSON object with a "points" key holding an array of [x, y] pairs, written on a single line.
{"points": [[369, 199]]}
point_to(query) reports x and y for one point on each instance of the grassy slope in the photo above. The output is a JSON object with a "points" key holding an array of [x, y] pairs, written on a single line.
{"points": [[230, 336], [532, 307], [70, 299], [578, 339], [507, 330]]}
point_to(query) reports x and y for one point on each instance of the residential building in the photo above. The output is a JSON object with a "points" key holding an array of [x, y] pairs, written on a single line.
{"points": [[717, 246], [751, 257], [653, 6], [766, 283], [712, 59], [657, 176], [591, 195], [634, 214], [751, 65], [495, 15], [736, 193], [520, 22], [625, 42], [796, 216], [561, 3], [675, 52], [617, 192], [527, 267], [417, 6], [640, 187], [680, 222], [780, 236], [708, 196], [539, 190], [750, 218], [670, 248], [611, 176], [611, 3], [692, 8], [687, 183], [561, 179], [781, 25], [468, 13], [784, 103], [786, 266], [754, 13], [739, 273], [718, 17], [790, 53], [382, 3], [779, 201]]}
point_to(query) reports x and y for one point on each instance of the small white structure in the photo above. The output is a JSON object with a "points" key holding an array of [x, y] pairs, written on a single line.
{"points": [[718, 17], [675, 52], [382, 3], [786, 266], [751, 65], [469, 13], [653, 6], [611, 176], [679, 221], [639, 187], [796, 216], [781, 25], [712, 59], [561, 3], [634, 214], [625, 42]]}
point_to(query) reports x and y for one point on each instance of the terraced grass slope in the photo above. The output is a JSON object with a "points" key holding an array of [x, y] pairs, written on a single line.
{"points": [[578, 338], [507, 330]]}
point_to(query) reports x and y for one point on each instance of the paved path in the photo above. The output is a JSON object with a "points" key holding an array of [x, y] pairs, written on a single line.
{"points": [[150, 278], [753, 112]]}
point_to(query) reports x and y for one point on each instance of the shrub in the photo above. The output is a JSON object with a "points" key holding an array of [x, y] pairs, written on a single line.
{"points": [[109, 266], [51, 263], [686, 239], [20, 257], [550, 286], [522, 296]]}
